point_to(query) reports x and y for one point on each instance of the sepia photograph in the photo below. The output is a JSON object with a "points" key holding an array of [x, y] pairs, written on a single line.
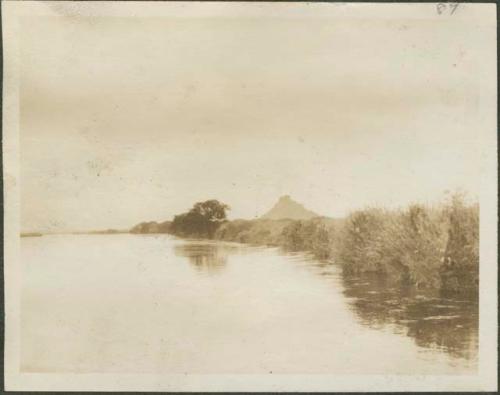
{"points": [[250, 196]]}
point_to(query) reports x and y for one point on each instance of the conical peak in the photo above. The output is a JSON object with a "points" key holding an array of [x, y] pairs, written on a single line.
{"points": [[287, 208]]}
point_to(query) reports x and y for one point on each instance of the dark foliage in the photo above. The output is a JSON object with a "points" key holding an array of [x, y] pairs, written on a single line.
{"points": [[201, 221]]}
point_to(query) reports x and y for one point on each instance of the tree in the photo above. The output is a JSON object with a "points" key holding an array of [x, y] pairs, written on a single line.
{"points": [[201, 221], [211, 210]]}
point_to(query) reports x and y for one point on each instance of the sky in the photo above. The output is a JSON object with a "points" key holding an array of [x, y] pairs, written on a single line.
{"points": [[130, 119]]}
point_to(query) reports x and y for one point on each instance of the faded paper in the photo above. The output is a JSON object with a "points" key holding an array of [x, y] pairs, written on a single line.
{"points": [[117, 113]]}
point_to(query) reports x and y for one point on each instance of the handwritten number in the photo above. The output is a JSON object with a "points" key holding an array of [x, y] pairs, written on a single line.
{"points": [[443, 7]]}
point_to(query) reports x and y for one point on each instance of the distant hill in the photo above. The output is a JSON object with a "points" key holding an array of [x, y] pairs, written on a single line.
{"points": [[102, 232], [151, 227], [31, 234], [287, 208]]}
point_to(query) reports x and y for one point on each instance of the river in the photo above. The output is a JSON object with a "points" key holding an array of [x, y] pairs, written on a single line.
{"points": [[156, 304]]}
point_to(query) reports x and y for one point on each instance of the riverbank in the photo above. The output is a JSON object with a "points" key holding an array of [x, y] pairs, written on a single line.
{"points": [[427, 247], [314, 235], [31, 234]]}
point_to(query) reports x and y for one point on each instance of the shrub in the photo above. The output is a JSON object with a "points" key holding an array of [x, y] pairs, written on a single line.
{"points": [[460, 269], [357, 245], [413, 244], [312, 235], [423, 246]]}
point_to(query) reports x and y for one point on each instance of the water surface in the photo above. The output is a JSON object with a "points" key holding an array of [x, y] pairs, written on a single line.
{"points": [[156, 304]]}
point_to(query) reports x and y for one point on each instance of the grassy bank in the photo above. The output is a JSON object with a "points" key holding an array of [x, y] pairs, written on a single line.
{"points": [[314, 235], [426, 247], [429, 247]]}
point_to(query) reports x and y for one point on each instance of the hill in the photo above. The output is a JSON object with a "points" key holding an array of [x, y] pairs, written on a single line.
{"points": [[287, 208]]}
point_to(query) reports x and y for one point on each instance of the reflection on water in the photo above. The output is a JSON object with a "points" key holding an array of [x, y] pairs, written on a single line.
{"points": [[206, 256], [166, 305], [433, 321]]}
